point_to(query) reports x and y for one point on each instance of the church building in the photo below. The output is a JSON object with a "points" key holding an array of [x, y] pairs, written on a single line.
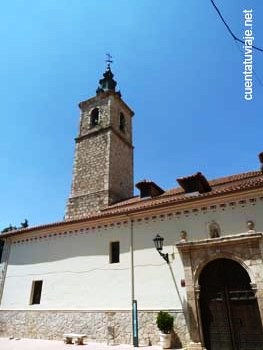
{"points": [[116, 259]]}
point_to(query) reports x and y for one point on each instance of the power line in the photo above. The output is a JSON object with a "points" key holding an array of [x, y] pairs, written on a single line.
{"points": [[228, 28]]}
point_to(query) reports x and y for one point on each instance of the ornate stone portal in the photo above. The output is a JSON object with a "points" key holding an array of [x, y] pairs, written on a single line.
{"points": [[244, 249]]}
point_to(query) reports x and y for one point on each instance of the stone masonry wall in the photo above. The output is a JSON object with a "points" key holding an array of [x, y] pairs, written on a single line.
{"points": [[90, 165], [80, 206], [100, 326], [115, 111], [121, 157], [90, 176], [103, 163]]}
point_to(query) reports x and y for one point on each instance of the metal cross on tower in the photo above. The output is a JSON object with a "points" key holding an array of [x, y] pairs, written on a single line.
{"points": [[109, 60]]}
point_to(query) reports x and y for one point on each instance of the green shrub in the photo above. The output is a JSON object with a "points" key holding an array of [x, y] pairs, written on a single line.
{"points": [[165, 322]]}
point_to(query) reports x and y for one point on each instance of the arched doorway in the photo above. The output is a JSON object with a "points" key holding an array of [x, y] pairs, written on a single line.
{"points": [[229, 309]]}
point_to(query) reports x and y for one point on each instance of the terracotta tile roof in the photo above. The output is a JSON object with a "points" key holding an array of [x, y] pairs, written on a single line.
{"points": [[226, 180], [221, 185], [225, 185]]}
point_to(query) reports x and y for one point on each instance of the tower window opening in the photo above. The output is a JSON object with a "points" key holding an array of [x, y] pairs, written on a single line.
{"points": [[122, 122], [94, 117]]}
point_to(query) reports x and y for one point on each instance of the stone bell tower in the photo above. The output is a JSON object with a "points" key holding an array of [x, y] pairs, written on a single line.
{"points": [[103, 163]]}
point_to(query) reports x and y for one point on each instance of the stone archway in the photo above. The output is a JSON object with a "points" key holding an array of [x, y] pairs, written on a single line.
{"points": [[228, 306], [243, 249]]}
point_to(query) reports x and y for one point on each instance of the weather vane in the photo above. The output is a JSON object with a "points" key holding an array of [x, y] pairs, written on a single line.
{"points": [[109, 60]]}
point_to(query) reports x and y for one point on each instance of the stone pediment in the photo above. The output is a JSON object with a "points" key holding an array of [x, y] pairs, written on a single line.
{"points": [[241, 238]]}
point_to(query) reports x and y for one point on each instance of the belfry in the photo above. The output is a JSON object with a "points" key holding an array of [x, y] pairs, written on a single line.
{"points": [[103, 164]]}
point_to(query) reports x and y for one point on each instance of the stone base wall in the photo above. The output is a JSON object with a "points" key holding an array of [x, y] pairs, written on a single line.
{"points": [[100, 326]]}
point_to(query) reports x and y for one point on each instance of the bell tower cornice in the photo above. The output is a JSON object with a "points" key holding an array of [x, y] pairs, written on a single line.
{"points": [[104, 95]]}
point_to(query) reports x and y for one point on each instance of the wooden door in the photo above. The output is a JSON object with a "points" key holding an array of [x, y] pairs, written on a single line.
{"points": [[229, 309], [246, 320]]}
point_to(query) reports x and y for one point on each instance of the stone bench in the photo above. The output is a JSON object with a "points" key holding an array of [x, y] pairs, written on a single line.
{"points": [[78, 338]]}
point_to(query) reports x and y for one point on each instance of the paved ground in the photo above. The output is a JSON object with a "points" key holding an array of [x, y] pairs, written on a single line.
{"points": [[39, 344]]}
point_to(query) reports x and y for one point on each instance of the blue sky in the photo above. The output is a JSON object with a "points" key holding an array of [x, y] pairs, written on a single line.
{"points": [[176, 66]]}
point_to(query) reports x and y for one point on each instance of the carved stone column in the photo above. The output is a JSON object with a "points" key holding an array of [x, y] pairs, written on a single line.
{"points": [[192, 304]]}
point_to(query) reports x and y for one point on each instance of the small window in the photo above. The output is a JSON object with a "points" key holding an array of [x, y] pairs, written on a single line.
{"points": [[94, 117], [114, 252], [122, 122], [36, 292], [2, 243]]}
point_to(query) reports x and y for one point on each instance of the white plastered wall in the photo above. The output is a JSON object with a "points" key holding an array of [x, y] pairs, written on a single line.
{"points": [[76, 272]]}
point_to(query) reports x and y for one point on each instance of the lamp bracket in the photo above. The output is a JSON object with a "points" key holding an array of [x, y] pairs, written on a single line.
{"points": [[164, 256]]}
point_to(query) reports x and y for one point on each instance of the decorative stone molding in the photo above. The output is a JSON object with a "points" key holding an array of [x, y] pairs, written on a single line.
{"points": [[214, 229], [183, 236], [251, 226]]}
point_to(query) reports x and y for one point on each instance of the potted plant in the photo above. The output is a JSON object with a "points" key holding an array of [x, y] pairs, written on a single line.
{"points": [[165, 324]]}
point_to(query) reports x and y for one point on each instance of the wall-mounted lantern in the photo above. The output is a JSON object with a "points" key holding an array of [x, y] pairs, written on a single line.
{"points": [[158, 242]]}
